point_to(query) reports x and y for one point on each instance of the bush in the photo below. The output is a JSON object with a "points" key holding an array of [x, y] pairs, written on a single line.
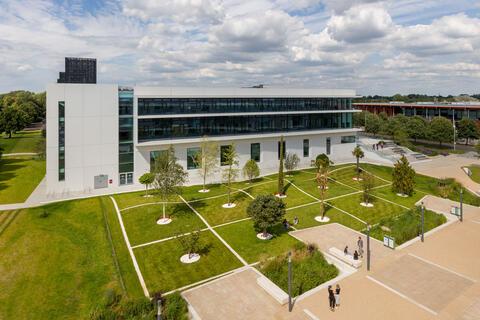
{"points": [[44, 214], [175, 307], [309, 269]]}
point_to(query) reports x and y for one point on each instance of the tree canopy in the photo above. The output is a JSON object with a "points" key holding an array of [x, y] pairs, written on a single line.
{"points": [[266, 211], [403, 177], [441, 130], [467, 129]]}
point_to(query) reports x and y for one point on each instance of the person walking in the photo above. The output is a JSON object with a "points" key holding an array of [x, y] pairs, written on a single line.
{"points": [[337, 296], [360, 246], [331, 298]]}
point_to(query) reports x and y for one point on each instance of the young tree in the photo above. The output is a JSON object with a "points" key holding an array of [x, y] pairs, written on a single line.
{"points": [[322, 161], [230, 173], [147, 179], [207, 160], [358, 154], [368, 183], [169, 177], [322, 182], [291, 161], [416, 127], [467, 129], [251, 170], [266, 211], [281, 178], [403, 177], [12, 119], [190, 242], [441, 130]]}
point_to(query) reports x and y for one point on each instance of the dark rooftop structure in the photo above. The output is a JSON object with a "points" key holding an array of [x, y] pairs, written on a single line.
{"points": [[79, 70]]}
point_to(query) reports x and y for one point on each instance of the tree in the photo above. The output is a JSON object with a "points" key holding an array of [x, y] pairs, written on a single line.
{"points": [[416, 127], [12, 119], [207, 160], [281, 178], [477, 148], [147, 179], [230, 173], [467, 129], [266, 211], [403, 177], [190, 242], [400, 136], [251, 170], [358, 154], [368, 183], [291, 161], [322, 163], [169, 176], [441, 130], [373, 124]]}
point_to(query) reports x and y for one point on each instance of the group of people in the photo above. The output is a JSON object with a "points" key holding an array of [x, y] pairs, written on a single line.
{"points": [[356, 253], [334, 297], [286, 224]]}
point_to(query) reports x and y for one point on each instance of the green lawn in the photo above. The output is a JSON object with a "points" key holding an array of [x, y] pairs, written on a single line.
{"points": [[19, 177], [294, 196], [243, 239], [334, 189], [387, 193], [346, 175], [126, 200], [215, 214], [381, 209], [162, 270], [141, 222], [475, 173], [23, 141], [59, 266]]}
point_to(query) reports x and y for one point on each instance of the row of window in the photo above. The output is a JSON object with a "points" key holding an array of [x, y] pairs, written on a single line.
{"points": [[158, 106], [61, 140], [255, 151], [163, 128], [125, 136]]}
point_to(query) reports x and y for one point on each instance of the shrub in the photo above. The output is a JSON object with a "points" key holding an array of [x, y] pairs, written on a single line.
{"points": [[175, 307], [44, 214]]}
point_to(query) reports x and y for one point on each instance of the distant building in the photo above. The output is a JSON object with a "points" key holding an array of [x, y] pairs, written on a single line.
{"points": [[429, 110], [79, 70]]}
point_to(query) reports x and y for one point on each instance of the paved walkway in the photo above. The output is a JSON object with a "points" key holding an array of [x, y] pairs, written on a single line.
{"points": [[449, 167], [437, 279]]}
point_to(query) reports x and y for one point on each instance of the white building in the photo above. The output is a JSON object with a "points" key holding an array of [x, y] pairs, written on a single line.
{"points": [[105, 136]]}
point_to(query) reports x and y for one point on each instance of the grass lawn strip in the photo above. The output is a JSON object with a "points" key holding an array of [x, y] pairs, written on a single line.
{"points": [[161, 266], [19, 177], [141, 223], [475, 169], [243, 238], [294, 197], [165, 239], [21, 142]]}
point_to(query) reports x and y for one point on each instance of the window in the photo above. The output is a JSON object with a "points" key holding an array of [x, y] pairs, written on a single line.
{"points": [[348, 139], [192, 158], [306, 148], [223, 150], [61, 141], [126, 178], [329, 145], [153, 156], [255, 151], [284, 149]]}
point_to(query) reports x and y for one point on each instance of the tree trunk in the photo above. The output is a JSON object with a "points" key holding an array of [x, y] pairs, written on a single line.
{"points": [[164, 209], [358, 170], [204, 177], [146, 190], [9, 134]]}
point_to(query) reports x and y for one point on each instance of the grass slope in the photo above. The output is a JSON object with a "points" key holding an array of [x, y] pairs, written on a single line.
{"points": [[19, 177], [23, 141]]}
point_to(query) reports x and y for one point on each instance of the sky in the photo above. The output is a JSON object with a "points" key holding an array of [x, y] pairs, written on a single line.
{"points": [[374, 47]]}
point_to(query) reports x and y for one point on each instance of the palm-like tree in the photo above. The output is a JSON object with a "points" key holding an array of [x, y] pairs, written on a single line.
{"points": [[358, 154]]}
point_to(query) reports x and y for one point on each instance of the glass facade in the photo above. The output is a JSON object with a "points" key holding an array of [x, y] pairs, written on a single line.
{"points": [[125, 135], [192, 158], [255, 151], [61, 141], [166, 128], [306, 148], [348, 139], [329, 145], [159, 106]]}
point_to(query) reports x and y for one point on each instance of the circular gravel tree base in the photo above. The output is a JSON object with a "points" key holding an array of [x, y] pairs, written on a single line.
{"points": [[281, 196], [403, 195], [186, 258], [357, 179], [204, 190], [229, 205], [163, 221], [367, 205], [261, 236], [148, 195], [322, 219], [326, 188]]}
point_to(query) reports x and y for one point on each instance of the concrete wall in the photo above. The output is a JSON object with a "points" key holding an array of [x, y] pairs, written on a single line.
{"points": [[91, 135], [269, 155]]}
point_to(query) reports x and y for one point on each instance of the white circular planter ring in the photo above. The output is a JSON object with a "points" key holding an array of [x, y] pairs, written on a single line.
{"points": [[163, 221], [402, 195], [229, 205], [204, 190], [326, 188], [186, 258], [148, 195], [281, 196], [322, 219], [368, 205], [261, 236], [357, 179]]}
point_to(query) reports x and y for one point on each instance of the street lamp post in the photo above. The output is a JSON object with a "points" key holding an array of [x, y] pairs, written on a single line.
{"points": [[290, 281], [423, 222], [368, 247], [461, 204], [159, 309]]}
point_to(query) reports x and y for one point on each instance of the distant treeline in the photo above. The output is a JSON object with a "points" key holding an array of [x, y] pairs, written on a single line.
{"points": [[19, 109]]}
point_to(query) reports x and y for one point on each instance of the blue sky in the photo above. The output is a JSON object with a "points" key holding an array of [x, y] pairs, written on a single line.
{"points": [[375, 47]]}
